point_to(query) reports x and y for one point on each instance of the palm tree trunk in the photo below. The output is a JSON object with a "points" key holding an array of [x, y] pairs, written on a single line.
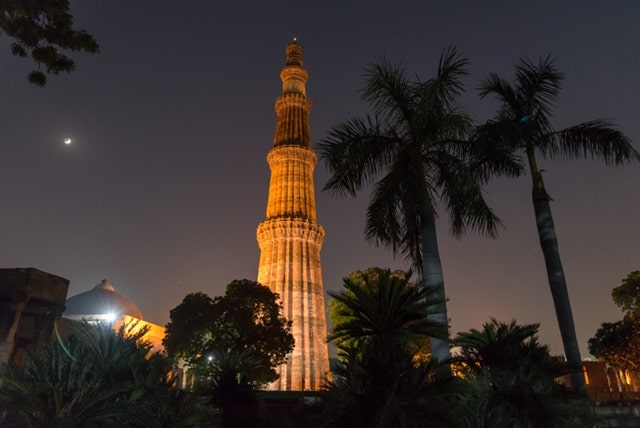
{"points": [[434, 280], [555, 274]]}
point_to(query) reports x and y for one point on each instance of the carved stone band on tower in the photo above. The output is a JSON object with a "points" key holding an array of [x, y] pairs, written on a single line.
{"points": [[290, 240]]}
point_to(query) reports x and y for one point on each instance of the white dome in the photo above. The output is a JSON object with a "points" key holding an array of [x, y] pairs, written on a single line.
{"points": [[101, 300]]}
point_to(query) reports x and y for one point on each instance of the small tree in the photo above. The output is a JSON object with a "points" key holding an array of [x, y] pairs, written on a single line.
{"points": [[618, 343], [245, 321], [44, 29], [232, 344]]}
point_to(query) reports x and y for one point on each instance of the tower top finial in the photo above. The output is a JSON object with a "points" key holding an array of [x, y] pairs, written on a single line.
{"points": [[293, 107], [294, 53]]}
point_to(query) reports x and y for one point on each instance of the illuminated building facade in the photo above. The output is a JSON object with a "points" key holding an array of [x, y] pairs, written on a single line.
{"points": [[290, 239]]}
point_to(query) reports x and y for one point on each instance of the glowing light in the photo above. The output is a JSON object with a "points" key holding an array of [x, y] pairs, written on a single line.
{"points": [[67, 141], [111, 316]]}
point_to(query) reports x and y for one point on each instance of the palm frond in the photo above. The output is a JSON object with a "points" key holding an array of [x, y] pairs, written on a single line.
{"points": [[454, 125], [448, 85], [597, 139], [384, 224], [497, 345], [384, 308], [435, 106], [530, 97], [388, 91], [355, 151], [463, 197], [397, 203], [502, 90], [538, 85], [92, 376], [492, 152]]}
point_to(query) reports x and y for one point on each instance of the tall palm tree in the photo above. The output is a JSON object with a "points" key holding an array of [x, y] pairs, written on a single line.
{"points": [[523, 128], [410, 144]]}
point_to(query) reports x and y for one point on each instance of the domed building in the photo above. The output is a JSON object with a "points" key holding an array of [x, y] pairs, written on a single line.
{"points": [[104, 304], [100, 303]]}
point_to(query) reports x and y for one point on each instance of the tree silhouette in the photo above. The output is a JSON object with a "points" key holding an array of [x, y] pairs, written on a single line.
{"points": [[522, 129]]}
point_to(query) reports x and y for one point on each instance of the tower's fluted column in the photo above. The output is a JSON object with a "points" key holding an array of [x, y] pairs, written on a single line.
{"points": [[290, 240]]}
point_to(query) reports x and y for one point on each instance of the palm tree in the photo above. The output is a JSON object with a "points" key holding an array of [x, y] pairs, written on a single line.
{"points": [[522, 127], [380, 323], [410, 143], [514, 379], [383, 309], [93, 377], [501, 347]]}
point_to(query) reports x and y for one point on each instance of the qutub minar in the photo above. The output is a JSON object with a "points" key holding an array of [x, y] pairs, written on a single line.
{"points": [[290, 239]]}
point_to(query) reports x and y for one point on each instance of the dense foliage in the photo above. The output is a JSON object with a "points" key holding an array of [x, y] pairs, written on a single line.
{"points": [[231, 345], [383, 309], [244, 326], [618, 343], [43, 29], [627, 295], [514, 379], [503, 378], [92, 377]]}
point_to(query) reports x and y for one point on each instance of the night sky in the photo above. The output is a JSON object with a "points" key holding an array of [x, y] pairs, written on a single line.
{"points": [[166, 180]]}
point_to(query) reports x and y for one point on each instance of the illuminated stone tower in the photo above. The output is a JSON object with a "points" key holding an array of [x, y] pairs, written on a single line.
{"points": [[290, 239]]}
